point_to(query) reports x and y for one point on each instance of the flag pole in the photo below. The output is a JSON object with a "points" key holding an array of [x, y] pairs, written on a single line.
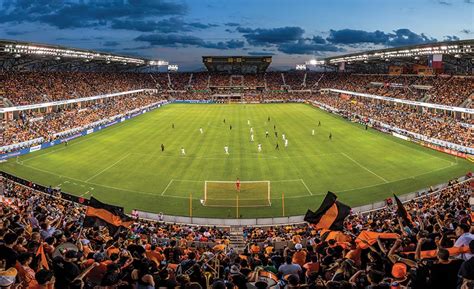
{"points": [[283, 203]]}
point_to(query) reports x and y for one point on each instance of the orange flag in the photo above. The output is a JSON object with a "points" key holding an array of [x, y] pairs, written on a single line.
{"points": [[367, 238], [44, 261]]}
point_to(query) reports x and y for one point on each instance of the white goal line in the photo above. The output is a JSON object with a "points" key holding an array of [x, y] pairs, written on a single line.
{"points": [[233, 182]]}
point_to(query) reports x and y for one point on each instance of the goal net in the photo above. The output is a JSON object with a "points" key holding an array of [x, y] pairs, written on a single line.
{"points": [[226, 194]]}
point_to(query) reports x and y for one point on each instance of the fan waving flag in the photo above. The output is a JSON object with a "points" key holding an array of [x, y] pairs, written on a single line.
{"points": [[330, 215], [402, 212], [100, 214]]}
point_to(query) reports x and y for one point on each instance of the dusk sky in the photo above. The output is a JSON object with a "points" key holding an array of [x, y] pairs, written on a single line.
{"points": [[292, 31]]}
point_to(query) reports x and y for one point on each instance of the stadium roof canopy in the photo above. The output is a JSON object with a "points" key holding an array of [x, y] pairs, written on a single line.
{"points": [[457, 56], [17, 55]]}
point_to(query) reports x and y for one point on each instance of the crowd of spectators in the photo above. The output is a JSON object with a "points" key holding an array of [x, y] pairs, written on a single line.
{"points": [[430, 124], [159, 255], [442, 89], [23, 88], [32, 125], [35, 87]]}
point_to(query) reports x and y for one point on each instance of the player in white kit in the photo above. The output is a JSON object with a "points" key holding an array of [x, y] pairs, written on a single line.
{"points": [[226, 149], [182, 151], [259, 147], [200, 129], [286, 143], [312, 132], [251, 137]]}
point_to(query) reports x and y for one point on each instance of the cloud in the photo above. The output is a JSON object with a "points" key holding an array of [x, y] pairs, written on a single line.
{"points": [[232, 24], [15, 33], [169, 25], [307, 47], [67, 14], [466, 31], [177, 40], [261, 36], [451, 38], [399, 37], [350, 36], [260, 53], [446, 3], [111, 43], [406, 37]]}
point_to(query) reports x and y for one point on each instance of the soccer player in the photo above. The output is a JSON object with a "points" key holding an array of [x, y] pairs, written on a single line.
{"points": [[182, 151], [200, 129], [251, 137], [277, 147], [276, 134], [283, 136], [319, 123], [237, 185], [251, 130], [312, 132], [172, 125], [330, 136], [230, 127], [224, 120], [259, 147], [162, 148], [266, 133], [248, 121], [274, 127], [286, 143], [268, 119], [226, 150], [66, 143]]}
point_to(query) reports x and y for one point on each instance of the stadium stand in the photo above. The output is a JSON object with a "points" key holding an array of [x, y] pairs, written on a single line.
{"points": [[46, 242]]}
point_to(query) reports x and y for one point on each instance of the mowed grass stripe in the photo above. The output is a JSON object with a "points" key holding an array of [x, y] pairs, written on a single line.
{"points": [[138, 180]]}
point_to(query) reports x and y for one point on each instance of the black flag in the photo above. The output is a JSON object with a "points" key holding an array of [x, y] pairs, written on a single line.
{"points": [[330, 215]]}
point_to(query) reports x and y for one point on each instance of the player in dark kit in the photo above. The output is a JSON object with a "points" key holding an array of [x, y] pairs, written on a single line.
{"points": [[224, 120], [276, 134], [162, 148], [268, 119], [172, 125], [330, 136], [230, 127], [319, 123], [277, 147]]}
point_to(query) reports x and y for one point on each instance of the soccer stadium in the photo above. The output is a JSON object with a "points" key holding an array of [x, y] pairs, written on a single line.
{"points": [[214, 167]]}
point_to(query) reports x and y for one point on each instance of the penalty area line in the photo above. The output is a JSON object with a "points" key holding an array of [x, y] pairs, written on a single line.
{"points": [[169, 184], [304, 184]]}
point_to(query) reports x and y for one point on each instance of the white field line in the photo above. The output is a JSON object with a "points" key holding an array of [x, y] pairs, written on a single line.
{"points": [[356, 162], [304, 184], [169, 184], [185, 197], [121, 159]]}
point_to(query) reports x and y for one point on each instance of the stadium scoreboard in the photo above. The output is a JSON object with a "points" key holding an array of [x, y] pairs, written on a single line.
{"points": [[237, 64]]}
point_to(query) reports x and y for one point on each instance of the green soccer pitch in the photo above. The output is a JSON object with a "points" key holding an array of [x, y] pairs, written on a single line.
{"points": [[124, 164]]}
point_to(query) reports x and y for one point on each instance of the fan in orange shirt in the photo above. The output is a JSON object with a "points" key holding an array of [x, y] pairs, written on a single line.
{"points": [[312, 266], [299, 257]]}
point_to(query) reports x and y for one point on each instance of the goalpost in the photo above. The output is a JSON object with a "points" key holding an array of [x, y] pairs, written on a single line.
{"points": [[226, 194]]}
